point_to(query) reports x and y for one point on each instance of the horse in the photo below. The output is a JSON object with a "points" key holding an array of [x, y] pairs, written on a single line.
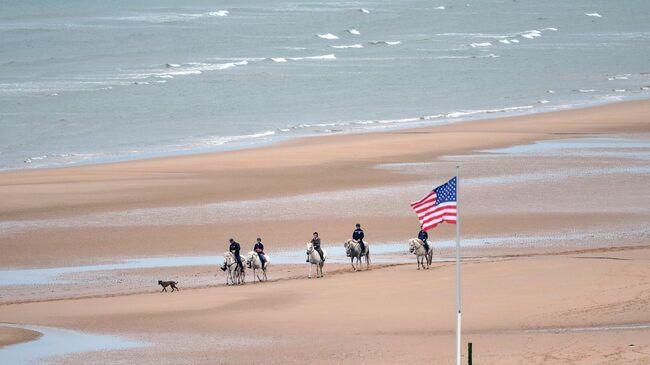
{"points": [[255, 263], [416, 247], [353, 250], [234, 275], [314, 259]]}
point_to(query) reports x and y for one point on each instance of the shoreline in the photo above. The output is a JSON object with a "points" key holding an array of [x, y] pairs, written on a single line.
{"points": [[412, 123]]}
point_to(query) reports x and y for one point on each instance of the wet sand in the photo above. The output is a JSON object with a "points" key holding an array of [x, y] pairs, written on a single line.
{"points": [[569, 308], [11, 336], [555, 246]]}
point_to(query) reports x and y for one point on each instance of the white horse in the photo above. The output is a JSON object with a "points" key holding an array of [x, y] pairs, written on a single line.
{"points": [[416, 247], [234, 275], [314, 259], [255, 263], [353, 250]]}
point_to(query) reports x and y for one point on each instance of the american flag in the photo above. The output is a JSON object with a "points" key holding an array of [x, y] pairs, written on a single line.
{"points": [[438, 206]]}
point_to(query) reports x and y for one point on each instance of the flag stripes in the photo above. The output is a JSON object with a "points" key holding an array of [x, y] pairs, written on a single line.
{"points": [[438, 206]]}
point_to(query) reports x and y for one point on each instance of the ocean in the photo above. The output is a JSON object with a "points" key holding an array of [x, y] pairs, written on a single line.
{"points": [[94, 81]]}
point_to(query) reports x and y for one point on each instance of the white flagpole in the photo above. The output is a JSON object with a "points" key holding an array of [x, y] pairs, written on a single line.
{"points": [[458, 312]]}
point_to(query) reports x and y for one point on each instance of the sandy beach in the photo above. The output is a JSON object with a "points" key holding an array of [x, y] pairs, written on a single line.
{"points": [[554, 214]]}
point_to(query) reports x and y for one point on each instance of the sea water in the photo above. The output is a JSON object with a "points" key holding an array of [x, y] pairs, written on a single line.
{"points": [[95, 81]]}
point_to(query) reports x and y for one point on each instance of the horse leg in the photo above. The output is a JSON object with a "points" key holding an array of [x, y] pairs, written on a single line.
{"points": [[352, 263], [258, 275], [310, 264]]}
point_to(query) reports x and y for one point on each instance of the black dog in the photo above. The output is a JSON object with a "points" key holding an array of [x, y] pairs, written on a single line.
{"points": [[165, 284]]}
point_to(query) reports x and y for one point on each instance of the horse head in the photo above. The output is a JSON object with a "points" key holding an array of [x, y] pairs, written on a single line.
{"points": [[310, 248], [413, 245]]}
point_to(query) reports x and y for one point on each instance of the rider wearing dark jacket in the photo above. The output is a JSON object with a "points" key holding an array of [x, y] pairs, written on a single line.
{"points": [[315, 242], [234, 248], [358, 235], [424, 236], [259, 248]]}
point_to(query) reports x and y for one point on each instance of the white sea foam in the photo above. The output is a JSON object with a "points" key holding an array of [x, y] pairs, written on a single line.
{"points": [[543, 101], [439, 8], [190, 68], [348, 46], [365, 11], [595, 15], [466, 113], [353, 31], [219, 13], [619, 90], [484, 44], [504, 41], [531, 34], [514, 40], [172, 65], [585, 90], [323, 57], [328, 36], [221, 140], [551, 29], [619, 77], [389, 43], [279, 60]]}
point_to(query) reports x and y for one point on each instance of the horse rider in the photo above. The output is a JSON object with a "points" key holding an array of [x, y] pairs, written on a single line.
{"points": [[259, 248], [424, 236], [234, 248], [315, 242], [358, 235]]}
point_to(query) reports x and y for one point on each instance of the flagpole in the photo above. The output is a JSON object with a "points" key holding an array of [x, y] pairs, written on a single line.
{"points": [[458, 311]]}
